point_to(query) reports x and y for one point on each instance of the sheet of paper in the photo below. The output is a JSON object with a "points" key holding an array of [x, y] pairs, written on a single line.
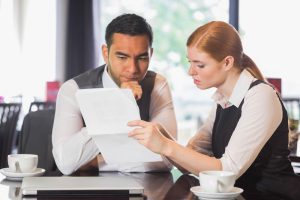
{"points": [[119, 148], [106, 112]]}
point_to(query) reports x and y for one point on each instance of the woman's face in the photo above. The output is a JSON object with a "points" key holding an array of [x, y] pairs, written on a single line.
{"points": [[205, 70]]}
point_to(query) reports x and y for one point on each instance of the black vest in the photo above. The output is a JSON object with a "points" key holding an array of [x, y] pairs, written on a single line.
{"points": [[93, 79], [271, 166]]}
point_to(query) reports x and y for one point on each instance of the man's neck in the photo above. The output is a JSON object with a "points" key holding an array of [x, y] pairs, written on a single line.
{"points": [[111, 76]]}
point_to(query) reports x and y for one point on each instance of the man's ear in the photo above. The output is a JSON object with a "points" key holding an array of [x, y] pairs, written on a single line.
{"points": [[151, 52], [105, 53], [228, 62]]}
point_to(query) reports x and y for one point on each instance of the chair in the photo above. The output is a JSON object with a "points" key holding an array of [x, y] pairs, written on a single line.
{"points": [[36, 138], [9, 114], [292, 106], [41, 105]]}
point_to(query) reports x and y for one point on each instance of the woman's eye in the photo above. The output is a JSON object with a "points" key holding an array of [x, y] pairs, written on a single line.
{"points": [[200, 66]]}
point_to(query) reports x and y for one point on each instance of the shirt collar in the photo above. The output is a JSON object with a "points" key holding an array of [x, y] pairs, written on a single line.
{"points": [[107, 81], [239, 91]]}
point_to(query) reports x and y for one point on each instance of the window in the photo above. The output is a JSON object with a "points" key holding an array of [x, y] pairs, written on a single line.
{"points": [[27, 49], [273, 40]]}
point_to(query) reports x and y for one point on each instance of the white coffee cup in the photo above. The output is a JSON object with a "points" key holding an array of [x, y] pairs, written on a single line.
{"points": [[217, 181], [22, 163]]}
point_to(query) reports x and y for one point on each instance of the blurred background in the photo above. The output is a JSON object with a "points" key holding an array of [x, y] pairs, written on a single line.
{"points": [[44, 43]]}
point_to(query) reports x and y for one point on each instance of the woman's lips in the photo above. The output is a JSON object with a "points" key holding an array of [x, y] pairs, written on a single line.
{"points": [[197, 82]]}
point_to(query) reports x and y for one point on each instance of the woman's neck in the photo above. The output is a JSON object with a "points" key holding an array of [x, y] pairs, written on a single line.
{"points": [[227, 87]]}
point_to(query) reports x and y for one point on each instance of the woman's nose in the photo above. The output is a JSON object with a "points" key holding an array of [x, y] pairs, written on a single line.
{"points": [[191, 71]]}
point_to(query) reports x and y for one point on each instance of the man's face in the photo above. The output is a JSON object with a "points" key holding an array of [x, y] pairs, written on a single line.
{"points": [[128, 57]]}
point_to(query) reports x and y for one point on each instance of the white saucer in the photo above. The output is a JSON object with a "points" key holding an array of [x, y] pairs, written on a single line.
{"points": [[17, 176], [198, 191]]}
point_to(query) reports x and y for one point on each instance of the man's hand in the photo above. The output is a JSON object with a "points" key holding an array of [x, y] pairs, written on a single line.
{"points": [[92, 164], [135, 87]]}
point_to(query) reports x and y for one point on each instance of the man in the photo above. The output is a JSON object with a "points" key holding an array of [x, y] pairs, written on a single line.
{"points": [[127, 55]]}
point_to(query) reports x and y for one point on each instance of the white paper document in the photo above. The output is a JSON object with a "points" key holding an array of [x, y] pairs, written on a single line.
{"points": [[106, 112]]}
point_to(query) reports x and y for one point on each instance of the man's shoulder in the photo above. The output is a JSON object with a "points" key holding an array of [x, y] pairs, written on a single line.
{"points": [[159, 79], [68, 84], [156, 75], [154, 79], [89, 72], [91, 78]]}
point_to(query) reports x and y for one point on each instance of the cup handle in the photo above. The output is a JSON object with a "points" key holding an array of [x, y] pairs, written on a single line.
{"points": [[215, 185], [17, 165]]}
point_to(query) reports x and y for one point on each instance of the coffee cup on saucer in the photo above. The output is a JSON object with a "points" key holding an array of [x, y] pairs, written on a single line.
{"points": [[217, 181], [22, 163]]}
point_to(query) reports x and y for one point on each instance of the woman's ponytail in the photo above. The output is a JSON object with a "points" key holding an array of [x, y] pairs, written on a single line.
{"points": [[249, 64]]}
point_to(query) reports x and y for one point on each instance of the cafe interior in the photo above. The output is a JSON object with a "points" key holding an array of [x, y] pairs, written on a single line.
{"points": [[45, 43]]}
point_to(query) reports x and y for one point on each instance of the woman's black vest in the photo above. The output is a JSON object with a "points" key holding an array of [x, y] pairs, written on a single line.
{"points": [[272, 167]]}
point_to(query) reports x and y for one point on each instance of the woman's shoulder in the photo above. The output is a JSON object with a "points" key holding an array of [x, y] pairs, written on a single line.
{"points": [[263, 93], [263, 89]]}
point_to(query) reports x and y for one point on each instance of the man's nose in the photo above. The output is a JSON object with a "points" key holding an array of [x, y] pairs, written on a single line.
{"points": [[132, 66]]}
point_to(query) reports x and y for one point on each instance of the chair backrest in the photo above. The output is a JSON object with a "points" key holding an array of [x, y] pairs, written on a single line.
{"points": [[9, 114], [292, 106], [36, 136], [41, 105]]}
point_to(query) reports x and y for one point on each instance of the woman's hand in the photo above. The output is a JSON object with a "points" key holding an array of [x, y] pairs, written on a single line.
{"points": [[149, 135]]}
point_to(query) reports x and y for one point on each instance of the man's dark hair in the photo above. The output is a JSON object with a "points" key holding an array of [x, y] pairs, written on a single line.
{"points": [[128, 24]]}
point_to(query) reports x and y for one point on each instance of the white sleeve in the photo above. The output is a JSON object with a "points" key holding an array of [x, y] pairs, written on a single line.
{"points": [[201, 142], [162, 111], [72, 147], [161, 106], [261, 115]]}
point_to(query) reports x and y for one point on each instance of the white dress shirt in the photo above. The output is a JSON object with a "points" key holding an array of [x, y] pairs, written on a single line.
{"points": [[72, 145], [261, 114]]}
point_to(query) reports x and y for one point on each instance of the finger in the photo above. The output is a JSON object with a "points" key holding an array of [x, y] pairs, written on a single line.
{"points": [[136, 131], [137, 96], [130, 84], [135, 88], [137, 136], [133, 82], [137, 93], [140, 123], [132, 134]]}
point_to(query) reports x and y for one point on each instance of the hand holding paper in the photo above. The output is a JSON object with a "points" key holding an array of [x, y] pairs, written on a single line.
{"points": [[106, 112]]}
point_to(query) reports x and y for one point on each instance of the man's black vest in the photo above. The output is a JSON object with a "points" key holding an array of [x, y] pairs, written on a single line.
{"points": [[93, 79]]}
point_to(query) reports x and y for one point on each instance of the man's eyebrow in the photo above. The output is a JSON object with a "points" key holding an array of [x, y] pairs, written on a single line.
{"points": [[124, 54], [143, 54], [121, 53]]}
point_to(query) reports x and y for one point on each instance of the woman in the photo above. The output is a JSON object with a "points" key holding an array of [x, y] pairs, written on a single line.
{"points": [[247, 129]]}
